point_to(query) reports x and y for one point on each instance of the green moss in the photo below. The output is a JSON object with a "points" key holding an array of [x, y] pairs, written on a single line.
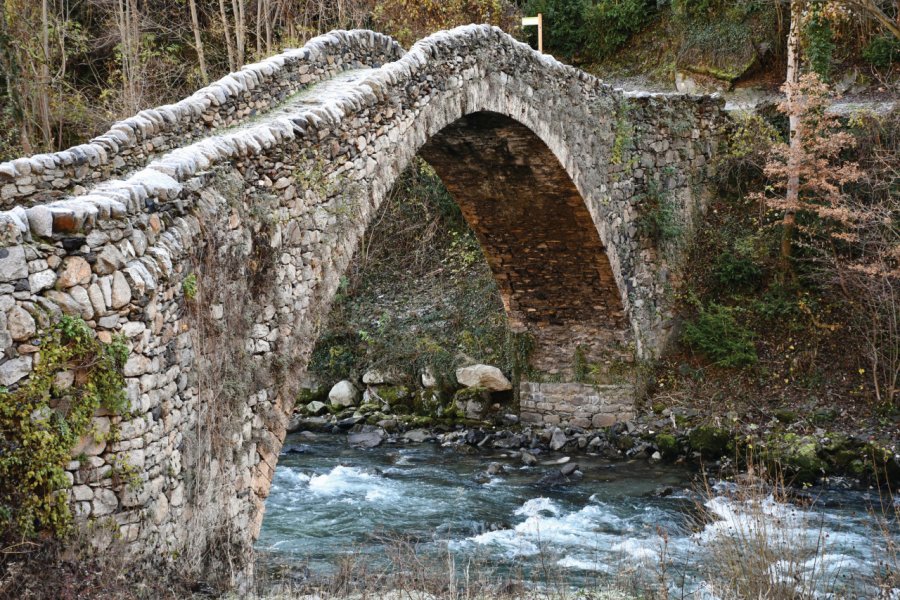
{"points": [[798, 456], [667, 444], [479, 394], [307, 395], [395, 394], [709, 441]]}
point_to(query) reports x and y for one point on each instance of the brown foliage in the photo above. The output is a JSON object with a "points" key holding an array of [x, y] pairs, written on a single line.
{"points": [[410, 20]]}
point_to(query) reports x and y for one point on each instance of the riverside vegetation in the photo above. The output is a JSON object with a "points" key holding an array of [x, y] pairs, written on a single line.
{"points": [[799, 370]]}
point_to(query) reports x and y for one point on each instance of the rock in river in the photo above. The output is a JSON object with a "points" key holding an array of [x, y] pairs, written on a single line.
{"points": [[369, 438]]}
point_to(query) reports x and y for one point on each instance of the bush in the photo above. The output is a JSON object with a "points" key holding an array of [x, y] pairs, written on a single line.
{"points": [[882, 51], [736, 272], [658, 219], [609, 24], [564, 32], [717, 334]]}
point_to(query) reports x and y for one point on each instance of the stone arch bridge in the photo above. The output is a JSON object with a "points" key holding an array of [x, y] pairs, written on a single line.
{"points": [[258, 188]]}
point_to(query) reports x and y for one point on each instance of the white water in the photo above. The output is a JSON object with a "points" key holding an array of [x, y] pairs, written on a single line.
{"points": [[331, 500]]}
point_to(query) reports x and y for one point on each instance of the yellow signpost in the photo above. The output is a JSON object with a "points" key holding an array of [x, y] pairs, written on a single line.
{"points": [[539, 21]]}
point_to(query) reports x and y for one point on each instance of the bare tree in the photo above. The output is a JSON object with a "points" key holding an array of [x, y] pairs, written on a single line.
{"points": [[229, 44], [240, 31], [198, 41]]}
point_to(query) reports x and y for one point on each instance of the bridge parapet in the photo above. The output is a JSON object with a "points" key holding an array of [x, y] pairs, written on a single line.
{"points": [[230, 101]]}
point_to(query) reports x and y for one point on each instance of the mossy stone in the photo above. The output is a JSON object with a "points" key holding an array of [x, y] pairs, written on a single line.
{"points": [[395, 395], [667, 444], [709, 441]]}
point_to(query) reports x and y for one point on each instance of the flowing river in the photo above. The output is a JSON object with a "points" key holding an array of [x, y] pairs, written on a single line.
{"points": [[624, 520]]}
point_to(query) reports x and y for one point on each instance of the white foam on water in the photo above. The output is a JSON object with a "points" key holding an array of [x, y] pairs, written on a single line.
{"points": [[350, 484], [584, 564], [536, 506], [642, 550]]}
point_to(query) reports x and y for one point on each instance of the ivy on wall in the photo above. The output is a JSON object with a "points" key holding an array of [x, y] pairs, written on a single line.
{"points": [[41, 421]]}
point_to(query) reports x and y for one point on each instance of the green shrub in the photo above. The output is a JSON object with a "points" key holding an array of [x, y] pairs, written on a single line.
{"points": [[882, 51], [189, 286], [658, 217], [609, 24], [733, 270], [717, 334]]}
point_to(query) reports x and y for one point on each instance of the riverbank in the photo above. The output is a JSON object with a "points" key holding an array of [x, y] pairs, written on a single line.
{"points": [[786, 444]]}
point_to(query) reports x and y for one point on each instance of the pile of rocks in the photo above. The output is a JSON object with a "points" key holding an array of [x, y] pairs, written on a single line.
{"points": [[382, 398]]}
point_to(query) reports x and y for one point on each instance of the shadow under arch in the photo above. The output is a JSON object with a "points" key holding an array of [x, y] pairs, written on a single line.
{"points": [[538, 237]]}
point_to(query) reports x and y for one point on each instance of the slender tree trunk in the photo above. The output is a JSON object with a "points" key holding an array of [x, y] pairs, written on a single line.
{"points": [[269, 24], [198, 42], [44, 85], [259, 21], [240, 31], [793, 184], [232, 65]]}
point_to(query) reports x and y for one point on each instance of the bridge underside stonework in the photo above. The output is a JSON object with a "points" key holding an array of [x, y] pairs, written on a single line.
{"points": [[259, 188]]}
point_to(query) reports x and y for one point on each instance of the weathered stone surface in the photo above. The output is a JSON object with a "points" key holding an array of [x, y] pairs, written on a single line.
{"points": [[367, 439], [94, 443], [75, 271], [42, 280], [121, 291], [12, 263], [343, 394], [558, 439], [109, 260], [377, 377], [14, 369], [428, 378], [484, 376], [20, 323], [316, 408]]}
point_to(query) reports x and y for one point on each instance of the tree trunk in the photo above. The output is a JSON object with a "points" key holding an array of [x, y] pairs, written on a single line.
{"points": [[269, 25], [259, 21], [240, 31], [198, 42], [44, 84], [792, 195], [232, 65]]}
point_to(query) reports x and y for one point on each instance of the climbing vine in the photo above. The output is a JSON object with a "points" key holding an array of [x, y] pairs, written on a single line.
{"points": [[41, 421]]}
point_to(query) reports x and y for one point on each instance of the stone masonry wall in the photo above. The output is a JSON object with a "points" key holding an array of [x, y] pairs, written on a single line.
{"points": [[266, 219], [576, 404], [233, 99]]}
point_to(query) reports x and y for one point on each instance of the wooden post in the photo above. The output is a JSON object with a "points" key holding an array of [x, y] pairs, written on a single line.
{"points": [[540, 33], [539, 21]]}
